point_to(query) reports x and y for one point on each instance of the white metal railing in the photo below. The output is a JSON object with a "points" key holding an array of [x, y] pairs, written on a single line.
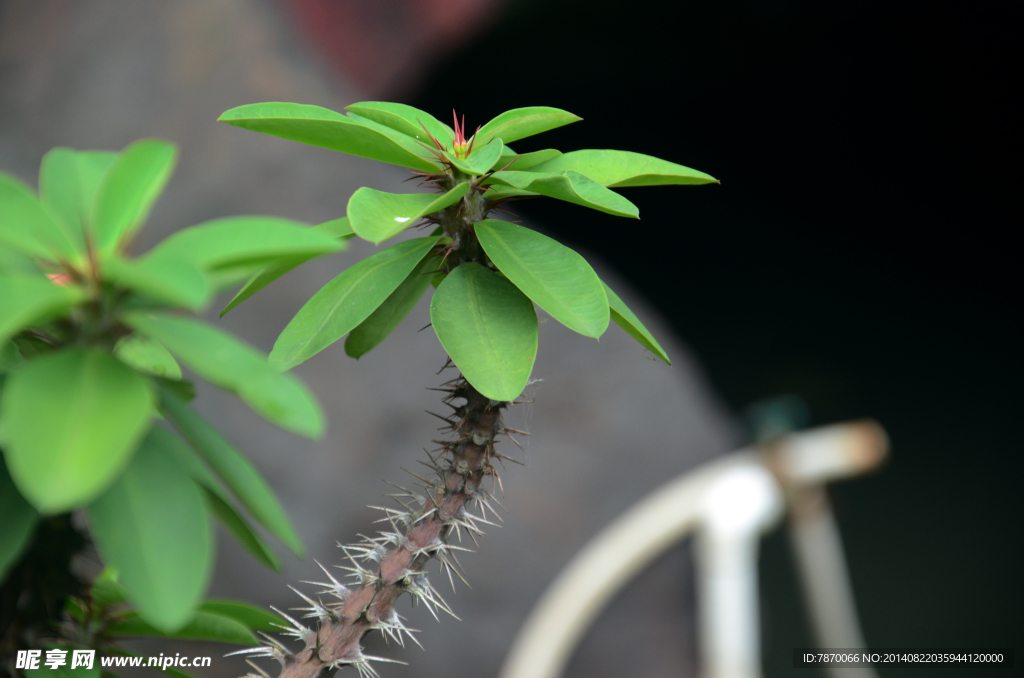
{"points": [[727, 504]]}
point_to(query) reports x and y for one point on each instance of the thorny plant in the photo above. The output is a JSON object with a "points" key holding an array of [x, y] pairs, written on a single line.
{"points": [[488, 274]]}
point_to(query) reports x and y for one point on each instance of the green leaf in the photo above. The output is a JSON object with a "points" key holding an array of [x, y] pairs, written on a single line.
{"points": [[64, 671], [170, 279], [570, 186], [70, 421], [233, 521], [128, 191], [10, 358], [147, 355], [336, 228], [480, 161], [346, 301], [556, 278], [520, 123], [489, 329], [389, 314], [377, 216], [26, 301], [152, 525], [27, 226], [106, 590], [512, 161], [235, 470], [68, 180], [255, 618], [235, 241], [18, 525], [226, 362], [322, 127], [203, 626], [628, 321], [405, 119], [624, 168]]}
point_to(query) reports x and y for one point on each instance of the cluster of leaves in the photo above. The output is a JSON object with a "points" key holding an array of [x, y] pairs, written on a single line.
{"points": [[488, 273], [90, 340]]}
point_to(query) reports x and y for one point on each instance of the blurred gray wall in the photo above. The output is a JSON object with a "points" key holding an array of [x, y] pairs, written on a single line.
{"points": [[608, 425]]}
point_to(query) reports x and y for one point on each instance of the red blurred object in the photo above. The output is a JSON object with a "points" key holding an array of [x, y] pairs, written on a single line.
{"points": [[385, 47]]}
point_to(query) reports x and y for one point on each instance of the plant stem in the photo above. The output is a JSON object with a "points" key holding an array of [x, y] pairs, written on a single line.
{"points": [[421, 531]]}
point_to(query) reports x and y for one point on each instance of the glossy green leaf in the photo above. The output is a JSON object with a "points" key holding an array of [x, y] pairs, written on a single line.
{"points": [[480, 161], [26, 301], [570, 186], [147, 355], [68, 180], [520, 123], [217, 500], [405, 119], [235, 241], [322, 127], [336, 228], [377, 216], [226, 362], [29, 227], [70, 421], [18, 524], [388, 315], [628, 321], [489, 329], [255, 618], [169, 279], [235, 470], [152, 526], [624, 168], [512, 161], [129, 189], [203, 626], [346, 301], [556, 278]]}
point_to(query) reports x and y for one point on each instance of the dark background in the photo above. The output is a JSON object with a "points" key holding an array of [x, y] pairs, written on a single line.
{"points": [[858, 253]]}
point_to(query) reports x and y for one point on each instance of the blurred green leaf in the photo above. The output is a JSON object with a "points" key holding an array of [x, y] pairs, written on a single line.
{"points": [[389, 314], [624, 168], [480, 161], [27, 226], [243, 533], [128, 190], [64, 671], [226, 362], [10, 358], [325, 128], [523, 161], [570, 186], [152, 525], [26, 301], [68, 180], [234, 241], [556, 278], [106, 590], [203, 626], [336, 228], [19, 521], [70, 420], [625, 319], [377, 216], [235, 470], [255, 618], [405, 119], [147, 355], [489, 329], [346, 301], [169, 279], [520, 123]]}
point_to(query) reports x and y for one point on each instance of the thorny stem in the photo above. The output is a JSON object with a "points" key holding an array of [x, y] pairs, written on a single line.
{"points": [[394, 563]]}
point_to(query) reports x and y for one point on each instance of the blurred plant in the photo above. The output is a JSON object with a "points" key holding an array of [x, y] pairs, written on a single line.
{"points": [[88, 341], [488, 275]]}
